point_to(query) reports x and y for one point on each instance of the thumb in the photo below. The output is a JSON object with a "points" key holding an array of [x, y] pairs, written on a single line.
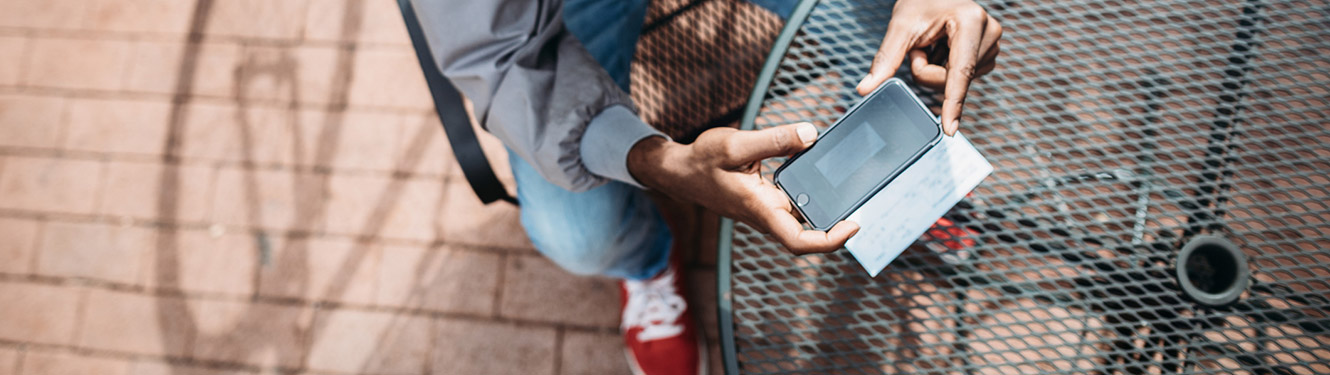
{"points": [[747, 147]]}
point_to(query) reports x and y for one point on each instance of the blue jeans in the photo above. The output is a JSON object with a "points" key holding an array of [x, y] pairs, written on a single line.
{"points": [[615, 229]]}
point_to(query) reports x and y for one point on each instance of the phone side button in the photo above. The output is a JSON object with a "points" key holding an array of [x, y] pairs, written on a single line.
{"points": [[801, 199]]}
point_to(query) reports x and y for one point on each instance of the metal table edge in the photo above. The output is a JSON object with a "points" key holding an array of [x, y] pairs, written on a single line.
{"points": [[724, 306]]}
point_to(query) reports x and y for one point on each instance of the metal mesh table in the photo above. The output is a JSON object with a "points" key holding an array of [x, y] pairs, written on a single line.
{"points": [[1160, 202]]}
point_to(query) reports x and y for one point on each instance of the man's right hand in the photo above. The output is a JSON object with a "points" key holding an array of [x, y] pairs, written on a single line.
{"points": [[720, 171]]}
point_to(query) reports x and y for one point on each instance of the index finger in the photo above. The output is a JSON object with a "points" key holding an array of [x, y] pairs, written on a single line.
{"points": [[888, 58], [790, 233], [965, 39]]}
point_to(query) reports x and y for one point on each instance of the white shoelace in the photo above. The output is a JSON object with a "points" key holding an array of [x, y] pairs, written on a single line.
{"points": [[655, 306]]}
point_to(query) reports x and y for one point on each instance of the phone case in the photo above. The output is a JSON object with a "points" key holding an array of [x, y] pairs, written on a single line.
{"points": [[860, 201]]}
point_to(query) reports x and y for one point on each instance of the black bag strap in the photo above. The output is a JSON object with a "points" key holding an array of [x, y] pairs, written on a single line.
{"points": [[456, 123]]}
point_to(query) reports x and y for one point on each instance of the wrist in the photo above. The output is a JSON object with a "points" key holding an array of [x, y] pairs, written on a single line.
{"points": [[647, 159]]}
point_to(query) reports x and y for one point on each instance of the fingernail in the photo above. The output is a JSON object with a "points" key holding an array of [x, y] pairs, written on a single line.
{"points": [[863, 82], [807, 133], [955, 124]]}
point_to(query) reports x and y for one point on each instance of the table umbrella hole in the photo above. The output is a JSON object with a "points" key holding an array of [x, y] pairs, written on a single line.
{"points": [[1212, 271]]}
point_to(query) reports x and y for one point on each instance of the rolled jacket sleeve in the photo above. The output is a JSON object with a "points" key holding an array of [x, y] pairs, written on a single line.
{"points": [[609, 137], [534, 86]]}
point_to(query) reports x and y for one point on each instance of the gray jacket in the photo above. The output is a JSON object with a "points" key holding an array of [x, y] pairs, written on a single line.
{"points": [[535, 87]]}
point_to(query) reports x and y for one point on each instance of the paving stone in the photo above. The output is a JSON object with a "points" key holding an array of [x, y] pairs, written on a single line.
{"points": [[263, 135], [368, 140], [477, 347], [466, 220], [221, 264], [257, 334], [239, 111], [267, 135], [380, 23], [389, 77], [379, 206], [44, 14], [31, 121], [57, 363], [313, 142], [536, 289], [416, 213], [38, 313], [257, 18], [154, 66], [53, 185], [321, 269], [94, 251], [130, 322], [263, 198], [120, 126], [358, 140], [285, 74], [586, 353], [352, 201], [213, 132], [12, 46], [134, 190], [440, 279], [163, 254], [352, 341], [150, 367], [17, 249], [194, 186], [423, 140], [215, 68], [9, 361], [159, 16], [256, 134], [324, 21], [317, 74], [100, 64]]}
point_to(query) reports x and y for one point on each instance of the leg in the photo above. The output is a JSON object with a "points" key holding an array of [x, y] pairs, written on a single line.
{"points": [[613, 230]]}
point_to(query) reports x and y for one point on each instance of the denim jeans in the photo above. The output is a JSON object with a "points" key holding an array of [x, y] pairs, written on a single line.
{"points": [[613, 230]]}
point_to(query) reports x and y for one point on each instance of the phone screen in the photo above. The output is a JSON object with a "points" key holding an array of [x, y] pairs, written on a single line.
{"points": [[858, 154]]}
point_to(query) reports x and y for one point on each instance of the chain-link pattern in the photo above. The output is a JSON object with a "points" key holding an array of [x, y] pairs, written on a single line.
{"points": [[696, 62], [1120, 131]]}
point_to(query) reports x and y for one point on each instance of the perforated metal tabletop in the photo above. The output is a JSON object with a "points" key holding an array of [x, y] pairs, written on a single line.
{"points": [[1160, 202]]}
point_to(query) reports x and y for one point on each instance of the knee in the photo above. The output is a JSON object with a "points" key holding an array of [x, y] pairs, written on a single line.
{"points": [[588, 262], [581, 251]]}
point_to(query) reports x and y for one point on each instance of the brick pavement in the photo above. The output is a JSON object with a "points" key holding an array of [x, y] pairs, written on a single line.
{"points": [[260, 186]]}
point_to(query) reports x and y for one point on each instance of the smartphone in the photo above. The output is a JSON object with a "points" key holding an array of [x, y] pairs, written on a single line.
{"points": [[860, 154]]}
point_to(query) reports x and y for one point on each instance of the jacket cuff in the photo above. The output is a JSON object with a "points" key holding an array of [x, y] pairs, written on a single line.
{"points": [[608, 138]]}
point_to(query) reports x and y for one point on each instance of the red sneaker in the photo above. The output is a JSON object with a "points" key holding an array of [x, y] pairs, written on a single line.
{"points": [[659, 332]]}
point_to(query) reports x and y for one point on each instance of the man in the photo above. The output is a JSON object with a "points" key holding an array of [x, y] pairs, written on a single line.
{"points": [[550, 79]]}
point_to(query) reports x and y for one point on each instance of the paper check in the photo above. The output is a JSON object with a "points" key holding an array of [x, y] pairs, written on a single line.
{"points": [[903, 210]]}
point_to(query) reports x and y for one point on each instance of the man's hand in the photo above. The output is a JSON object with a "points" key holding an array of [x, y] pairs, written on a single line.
{"points": [[972, 36], [720, 171]]}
